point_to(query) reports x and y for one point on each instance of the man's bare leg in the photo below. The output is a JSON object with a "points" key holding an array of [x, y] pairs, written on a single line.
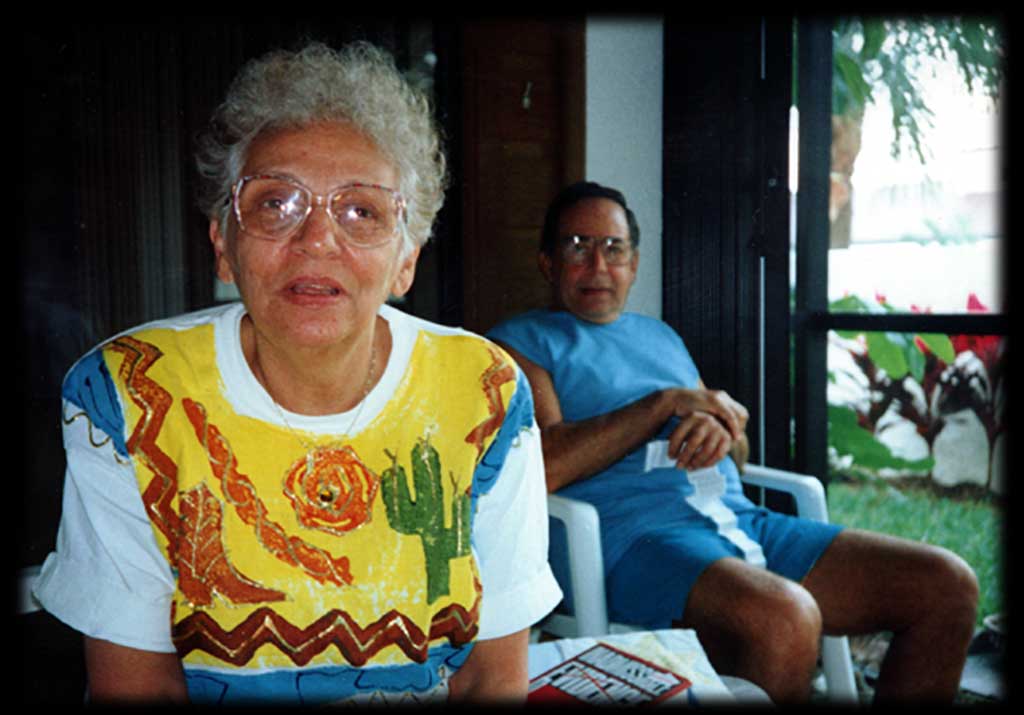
{"points": [[756, 625], [926, 596]]}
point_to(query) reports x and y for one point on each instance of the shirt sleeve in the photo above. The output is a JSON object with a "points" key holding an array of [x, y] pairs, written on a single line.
{"points": [[107, 577], [510, 535]]}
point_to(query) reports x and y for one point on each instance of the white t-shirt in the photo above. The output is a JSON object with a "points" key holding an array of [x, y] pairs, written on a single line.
{"points": [[110, 578]]}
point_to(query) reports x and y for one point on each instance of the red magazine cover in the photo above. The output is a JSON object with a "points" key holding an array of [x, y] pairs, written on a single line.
{"points": [[604, 675]]}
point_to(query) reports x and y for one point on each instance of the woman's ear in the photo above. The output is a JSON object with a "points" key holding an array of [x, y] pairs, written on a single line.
{"points": [[221, 264], [405, 274]]}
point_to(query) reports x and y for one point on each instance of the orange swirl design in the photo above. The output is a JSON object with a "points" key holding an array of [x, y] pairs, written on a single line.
{"points": [[331, 490], [240, 492]]}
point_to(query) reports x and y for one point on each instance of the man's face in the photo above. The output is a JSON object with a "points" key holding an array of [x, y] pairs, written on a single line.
{"points": [[593, 290]]}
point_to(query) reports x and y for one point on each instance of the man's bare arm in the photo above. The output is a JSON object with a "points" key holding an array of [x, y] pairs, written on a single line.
{"points": [[577, 450]]}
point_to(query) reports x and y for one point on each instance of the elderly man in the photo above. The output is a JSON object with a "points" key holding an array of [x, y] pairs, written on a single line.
{"points": [[628, 425]]}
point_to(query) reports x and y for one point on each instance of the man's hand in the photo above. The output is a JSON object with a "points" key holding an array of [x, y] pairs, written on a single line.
{"points": [[699, 440], [718, 403], [712, 425]]}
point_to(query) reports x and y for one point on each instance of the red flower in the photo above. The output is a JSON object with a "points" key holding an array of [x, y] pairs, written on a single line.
{"points": [[974, 305], [985, 347]]}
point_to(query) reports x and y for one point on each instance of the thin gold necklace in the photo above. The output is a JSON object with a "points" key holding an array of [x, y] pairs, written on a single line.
{"points": [[310, 448]]}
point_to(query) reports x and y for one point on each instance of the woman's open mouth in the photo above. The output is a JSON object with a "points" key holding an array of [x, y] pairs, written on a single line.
{"points": [[314, 288]]}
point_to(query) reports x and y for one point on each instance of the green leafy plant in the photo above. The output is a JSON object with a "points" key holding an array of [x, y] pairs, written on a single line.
{"points": [[896, 353], [872, 54], [921, 378], [875, 56]]}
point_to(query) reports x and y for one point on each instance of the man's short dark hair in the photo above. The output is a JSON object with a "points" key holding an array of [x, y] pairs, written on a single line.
{"points": [[575, 193]]}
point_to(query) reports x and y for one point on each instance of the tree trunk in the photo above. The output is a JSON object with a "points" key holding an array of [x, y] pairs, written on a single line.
{"points": [[846, 136]]}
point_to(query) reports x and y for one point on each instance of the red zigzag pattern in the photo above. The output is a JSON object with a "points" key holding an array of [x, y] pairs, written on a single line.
{"points": [[154, 401], [337, 628]]}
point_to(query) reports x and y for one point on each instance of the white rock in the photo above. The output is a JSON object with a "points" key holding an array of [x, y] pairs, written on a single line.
{"points": [[961, 451], [901, 437]]}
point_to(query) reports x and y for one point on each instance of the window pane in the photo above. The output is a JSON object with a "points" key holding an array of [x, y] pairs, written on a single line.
{"points": [[925, 407], [917, 444], [915, 191]]}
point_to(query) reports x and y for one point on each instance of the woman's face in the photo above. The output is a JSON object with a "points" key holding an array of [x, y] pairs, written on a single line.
{"points": [[313, 289]]}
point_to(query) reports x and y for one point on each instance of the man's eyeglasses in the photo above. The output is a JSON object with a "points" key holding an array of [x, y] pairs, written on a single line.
{"points": [[578, 250], [275, 207]]}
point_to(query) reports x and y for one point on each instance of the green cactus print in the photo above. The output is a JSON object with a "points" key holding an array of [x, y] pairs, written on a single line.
{"points": [[423, 514]]}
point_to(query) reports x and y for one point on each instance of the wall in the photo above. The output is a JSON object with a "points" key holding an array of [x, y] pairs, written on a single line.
{"points": [[624, 132], [522, 99]]}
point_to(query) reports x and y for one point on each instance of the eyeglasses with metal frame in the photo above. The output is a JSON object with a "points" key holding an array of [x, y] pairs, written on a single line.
{"points": [[274, 208], [578, 249]]}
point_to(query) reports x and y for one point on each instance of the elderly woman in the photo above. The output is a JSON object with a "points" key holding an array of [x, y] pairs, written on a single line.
{"points": [[306, 496]]}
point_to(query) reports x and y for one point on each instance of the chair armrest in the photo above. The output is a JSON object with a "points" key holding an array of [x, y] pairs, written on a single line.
{"points": [[806, 490], [27, 578], [586, 561]]}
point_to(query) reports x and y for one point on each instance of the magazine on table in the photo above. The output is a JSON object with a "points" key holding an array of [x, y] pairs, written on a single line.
{"points": [[605, 675]]}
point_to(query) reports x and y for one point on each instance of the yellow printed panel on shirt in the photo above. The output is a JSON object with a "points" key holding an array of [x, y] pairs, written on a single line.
{"points": [[362, 564]]}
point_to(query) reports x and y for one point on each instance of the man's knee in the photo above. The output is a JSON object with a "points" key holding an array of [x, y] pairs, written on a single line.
{"points": [[780, 646], [794, 622], [757, 625], [763, 612], [953, 588]]}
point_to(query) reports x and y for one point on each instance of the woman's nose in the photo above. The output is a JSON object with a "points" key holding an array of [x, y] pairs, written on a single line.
{"points": [[319, 234]]}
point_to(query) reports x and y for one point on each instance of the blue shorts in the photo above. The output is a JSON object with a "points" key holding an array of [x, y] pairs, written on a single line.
{"points": [[650, 584]]}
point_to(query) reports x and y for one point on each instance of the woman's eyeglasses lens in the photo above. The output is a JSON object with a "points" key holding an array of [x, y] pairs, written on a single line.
{"points": [[274, 208], [579, 249]]}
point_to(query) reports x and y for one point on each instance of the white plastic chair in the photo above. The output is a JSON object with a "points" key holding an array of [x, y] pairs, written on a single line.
{"points": [[27, 577], [586, 571]]}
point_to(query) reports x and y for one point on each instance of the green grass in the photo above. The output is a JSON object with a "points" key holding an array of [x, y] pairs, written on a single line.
{"points": [[967, 524]]}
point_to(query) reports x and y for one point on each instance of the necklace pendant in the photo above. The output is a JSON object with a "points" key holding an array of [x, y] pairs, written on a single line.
{"points": [[327, 496], [331, 489]]}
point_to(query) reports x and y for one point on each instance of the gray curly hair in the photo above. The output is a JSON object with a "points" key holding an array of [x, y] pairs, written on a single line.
{"points": [[358, 84]]}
